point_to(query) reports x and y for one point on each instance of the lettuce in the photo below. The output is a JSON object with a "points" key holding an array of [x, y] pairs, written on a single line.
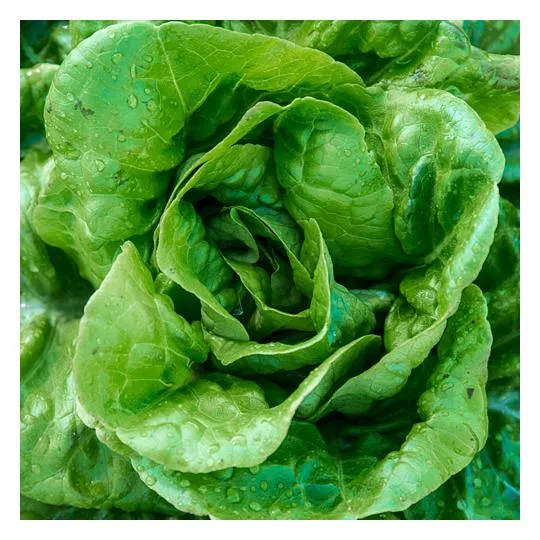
{"points": [[267, 272]]}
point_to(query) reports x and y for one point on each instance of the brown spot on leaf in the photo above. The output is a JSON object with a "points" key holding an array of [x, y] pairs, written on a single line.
{"points": [[120, 178], [470, 392], [84, 111]]}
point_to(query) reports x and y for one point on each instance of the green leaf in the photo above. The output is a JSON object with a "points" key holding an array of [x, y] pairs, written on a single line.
{"points": [[500, 281], [112, 164], [488, 82], [133, 349], [37, 271], [303, 480], [34, 85], [500, 37], [489, 487], [329, 174], [62, 462], [509, 141], [337, 317]]}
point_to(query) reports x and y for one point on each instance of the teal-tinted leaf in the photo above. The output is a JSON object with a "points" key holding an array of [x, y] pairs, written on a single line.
{"points": [[500, 37], [44, 42], [509, 141]]}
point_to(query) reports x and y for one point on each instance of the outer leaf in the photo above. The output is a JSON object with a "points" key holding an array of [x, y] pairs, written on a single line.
{"points": [[488, 82], [489, 487], [509, 141], [385, 38], [34, 510], [302, 480], [499, 280], [62, 462], [37, 271], [34, 85], [133, 349], [500, 37]]}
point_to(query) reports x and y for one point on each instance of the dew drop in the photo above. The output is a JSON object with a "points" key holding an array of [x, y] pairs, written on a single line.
{"points": [[238, 440], [150, 481], [151, 105], [255, 506], [132, 101], [185, 483], [233, 495], [116, 57], [100, 165], [254, 470], [121, 137]]}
